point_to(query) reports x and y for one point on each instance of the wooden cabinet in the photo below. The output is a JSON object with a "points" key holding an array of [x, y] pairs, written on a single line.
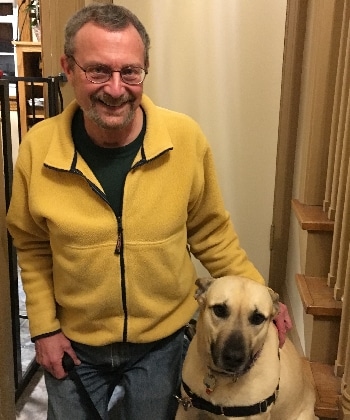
{"points": [[31, 93], [7, 34]]}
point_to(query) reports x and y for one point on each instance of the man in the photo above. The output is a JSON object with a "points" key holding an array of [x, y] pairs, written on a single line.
{"points": [[110, 199]]}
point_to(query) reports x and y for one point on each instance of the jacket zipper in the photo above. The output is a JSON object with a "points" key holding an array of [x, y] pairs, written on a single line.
{"points": [[118, 247], [119, 251]]}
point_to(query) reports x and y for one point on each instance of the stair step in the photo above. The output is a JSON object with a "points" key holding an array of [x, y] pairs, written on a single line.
{"points": [[312, 218], [328, 389], [317, 296]]}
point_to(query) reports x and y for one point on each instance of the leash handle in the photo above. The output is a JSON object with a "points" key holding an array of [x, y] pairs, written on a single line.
{"points": [[67, 363]]}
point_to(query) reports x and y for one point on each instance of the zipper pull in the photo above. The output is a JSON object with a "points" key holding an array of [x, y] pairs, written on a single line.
{"points": [[119, 237]]}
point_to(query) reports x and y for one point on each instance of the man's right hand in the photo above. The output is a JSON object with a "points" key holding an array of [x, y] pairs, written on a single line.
{"points": [[50, 351]]}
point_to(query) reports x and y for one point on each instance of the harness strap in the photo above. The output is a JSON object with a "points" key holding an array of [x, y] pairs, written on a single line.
{"points": [[235, 411]]}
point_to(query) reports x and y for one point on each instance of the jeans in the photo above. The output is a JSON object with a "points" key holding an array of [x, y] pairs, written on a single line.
{"points": [[145, 376]]}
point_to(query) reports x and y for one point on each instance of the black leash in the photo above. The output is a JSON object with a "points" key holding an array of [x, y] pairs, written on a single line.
{"points": [[69, 367]]}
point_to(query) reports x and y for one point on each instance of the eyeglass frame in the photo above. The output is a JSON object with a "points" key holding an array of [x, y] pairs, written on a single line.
{"points": [[111, 73]]}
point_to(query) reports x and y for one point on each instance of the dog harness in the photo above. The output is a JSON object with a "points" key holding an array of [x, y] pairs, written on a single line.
{"points": [[193, 400]]}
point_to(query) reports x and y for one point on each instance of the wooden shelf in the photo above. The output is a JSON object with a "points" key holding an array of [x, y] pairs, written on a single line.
{"points": [[7, 34], [34, 84], [38, 116], [312, 218], [317, 297], [29, 65]]}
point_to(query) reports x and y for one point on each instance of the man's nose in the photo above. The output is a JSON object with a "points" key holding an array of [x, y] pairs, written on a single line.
{"points": [[115, 84]]}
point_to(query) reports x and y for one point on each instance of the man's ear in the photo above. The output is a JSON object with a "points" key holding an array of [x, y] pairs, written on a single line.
{"points": [[66, 66]]}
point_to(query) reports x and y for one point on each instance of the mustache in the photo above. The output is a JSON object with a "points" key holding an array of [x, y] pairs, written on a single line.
{"points": [[110, 100]]}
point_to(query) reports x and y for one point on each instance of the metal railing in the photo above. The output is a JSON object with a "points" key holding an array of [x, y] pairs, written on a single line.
{"points": [[53, 106]]}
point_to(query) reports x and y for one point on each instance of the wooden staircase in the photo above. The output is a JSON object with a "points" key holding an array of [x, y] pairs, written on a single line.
{"points": [[322, 313], [313, 164]]}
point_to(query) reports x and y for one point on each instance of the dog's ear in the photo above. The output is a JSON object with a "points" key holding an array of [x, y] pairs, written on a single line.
{"points": [[203, 285], [275, 300]]}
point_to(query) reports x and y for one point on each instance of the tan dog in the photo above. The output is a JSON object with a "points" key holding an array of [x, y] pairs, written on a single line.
{"points": [[234, 367]]}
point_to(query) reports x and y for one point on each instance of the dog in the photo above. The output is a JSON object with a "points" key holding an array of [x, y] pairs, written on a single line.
{"points": [[234, 367]]}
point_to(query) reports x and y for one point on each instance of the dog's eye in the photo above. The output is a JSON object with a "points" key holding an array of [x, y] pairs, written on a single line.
{"points": [[257, 318], [221, 311]]}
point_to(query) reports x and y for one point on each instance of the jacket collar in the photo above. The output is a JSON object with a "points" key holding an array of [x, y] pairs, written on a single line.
{"points": [[61, 153]]}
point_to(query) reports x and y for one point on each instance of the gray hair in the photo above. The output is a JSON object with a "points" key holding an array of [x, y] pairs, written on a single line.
{"points": [[108, 16]]}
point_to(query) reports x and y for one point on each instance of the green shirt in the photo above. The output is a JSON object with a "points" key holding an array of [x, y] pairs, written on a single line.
{"points": [[110, 165]]}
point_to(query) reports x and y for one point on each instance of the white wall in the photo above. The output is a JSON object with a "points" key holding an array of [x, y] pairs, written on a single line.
{"points": [[220, 61]]}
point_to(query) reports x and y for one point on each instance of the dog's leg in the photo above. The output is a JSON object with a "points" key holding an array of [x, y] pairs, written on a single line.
{"points": [[307, 415]]}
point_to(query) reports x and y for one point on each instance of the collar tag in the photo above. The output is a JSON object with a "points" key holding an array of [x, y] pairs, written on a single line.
{"points": [[210, 382]]}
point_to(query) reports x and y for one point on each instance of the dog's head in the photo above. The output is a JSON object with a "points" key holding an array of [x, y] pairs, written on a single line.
{"points": [[234, 319]]}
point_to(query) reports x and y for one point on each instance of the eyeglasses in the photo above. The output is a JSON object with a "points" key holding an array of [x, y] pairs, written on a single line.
{"points": [[99, 73]]}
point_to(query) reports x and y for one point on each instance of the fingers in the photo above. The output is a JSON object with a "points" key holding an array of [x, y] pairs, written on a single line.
{"points": [[50, 351], [283, 323], [73, 355]]}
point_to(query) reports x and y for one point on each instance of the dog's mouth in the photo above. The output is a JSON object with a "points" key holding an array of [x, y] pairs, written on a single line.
{"points": [[235, 369], [225, 372]]}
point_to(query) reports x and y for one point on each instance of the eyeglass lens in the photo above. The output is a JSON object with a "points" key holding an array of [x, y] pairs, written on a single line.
{"points": [[100, 74]]}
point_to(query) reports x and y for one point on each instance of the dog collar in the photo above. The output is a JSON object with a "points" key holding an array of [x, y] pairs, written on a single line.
{"points": [[193, 400]]}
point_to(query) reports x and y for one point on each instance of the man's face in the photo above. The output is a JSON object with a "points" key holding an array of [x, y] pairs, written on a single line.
{"points": [[112, 104]]}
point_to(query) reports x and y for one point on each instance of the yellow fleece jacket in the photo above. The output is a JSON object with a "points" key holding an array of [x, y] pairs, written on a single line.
{"points": [[102, 280]]}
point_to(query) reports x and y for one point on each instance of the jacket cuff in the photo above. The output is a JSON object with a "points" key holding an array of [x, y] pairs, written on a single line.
{"points": [[33, 339]]}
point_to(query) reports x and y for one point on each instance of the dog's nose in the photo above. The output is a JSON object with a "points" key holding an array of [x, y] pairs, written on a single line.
{"points": [[230, 353], [233, 358]]}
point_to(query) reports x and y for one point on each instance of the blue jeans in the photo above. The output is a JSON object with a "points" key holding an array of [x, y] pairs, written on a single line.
{"points": [[148, 374]]}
